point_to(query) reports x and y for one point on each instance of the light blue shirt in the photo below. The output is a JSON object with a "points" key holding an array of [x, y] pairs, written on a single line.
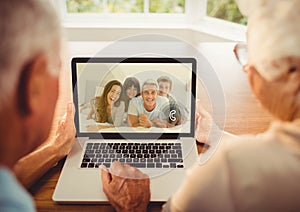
{"points": [[13, 197], [136, 107]]}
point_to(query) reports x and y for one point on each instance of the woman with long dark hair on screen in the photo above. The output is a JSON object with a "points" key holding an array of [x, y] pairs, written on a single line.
{"points": [[107, 107]]}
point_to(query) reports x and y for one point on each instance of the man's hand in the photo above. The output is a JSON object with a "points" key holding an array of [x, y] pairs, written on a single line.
{"points": [[65, 133], [126, 188], [144, 121]]}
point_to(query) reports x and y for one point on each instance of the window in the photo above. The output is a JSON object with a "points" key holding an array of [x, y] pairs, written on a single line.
{"points": [[194, 9], [226, 10], [125, 6], [205, 16]]}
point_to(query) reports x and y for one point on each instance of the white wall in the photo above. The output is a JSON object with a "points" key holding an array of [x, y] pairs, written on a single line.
{"points": [[113, 34]]}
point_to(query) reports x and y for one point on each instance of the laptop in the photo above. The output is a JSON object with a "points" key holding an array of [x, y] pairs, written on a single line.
{"points": [[163, 151]]}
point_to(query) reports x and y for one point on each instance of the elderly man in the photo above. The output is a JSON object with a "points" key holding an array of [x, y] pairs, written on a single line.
{"points": [[259, 173], [147, 110], [30, 61]]}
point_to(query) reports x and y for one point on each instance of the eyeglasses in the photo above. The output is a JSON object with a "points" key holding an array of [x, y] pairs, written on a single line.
{"points": [[240, 51]]}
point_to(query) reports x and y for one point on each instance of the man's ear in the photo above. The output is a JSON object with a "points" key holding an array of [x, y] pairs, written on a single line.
{"points": [[294, 79], [32, 84]]}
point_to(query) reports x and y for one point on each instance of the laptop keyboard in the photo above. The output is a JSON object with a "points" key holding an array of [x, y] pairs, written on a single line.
{"points": [[139, 155]]}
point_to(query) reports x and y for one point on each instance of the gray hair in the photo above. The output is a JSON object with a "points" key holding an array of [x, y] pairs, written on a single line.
{"points": [[28, 28], [150, 82]]}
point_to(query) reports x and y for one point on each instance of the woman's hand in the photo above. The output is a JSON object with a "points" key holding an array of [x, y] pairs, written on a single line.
{"points": [[204, 123]]}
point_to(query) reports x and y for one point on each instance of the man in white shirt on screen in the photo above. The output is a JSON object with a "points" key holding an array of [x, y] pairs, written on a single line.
{"points": [[147, 109]]}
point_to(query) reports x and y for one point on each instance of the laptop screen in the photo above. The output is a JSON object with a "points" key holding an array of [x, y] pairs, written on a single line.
{"points": [[134, 97]]}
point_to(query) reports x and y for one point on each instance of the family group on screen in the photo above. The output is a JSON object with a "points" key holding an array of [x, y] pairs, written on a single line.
{"points": [[132, 105]]}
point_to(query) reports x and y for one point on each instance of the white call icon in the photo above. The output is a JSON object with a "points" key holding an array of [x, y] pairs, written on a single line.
{"points": [[172, 115]]}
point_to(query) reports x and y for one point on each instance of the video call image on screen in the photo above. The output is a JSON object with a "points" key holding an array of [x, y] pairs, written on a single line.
{"points": [[134, 97]]}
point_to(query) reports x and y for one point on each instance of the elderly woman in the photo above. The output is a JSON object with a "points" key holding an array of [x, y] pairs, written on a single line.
{"points": [[259, 173]]}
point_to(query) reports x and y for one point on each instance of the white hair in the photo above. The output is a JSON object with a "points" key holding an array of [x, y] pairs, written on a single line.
{"points": [[150, 82], [28, 28], [273, 33]]}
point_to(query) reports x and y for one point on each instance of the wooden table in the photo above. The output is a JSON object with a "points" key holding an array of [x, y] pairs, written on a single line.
{"points": [[243, 114]]}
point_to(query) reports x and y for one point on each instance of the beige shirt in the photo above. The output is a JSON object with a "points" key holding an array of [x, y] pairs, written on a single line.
{"points": [[259, 173]]}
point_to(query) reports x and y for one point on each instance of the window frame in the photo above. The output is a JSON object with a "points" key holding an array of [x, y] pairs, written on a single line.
{"points": [[195, 18], [191, 15]]}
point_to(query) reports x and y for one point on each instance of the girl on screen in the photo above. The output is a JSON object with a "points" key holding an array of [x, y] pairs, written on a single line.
{"points": [[131, 89]]}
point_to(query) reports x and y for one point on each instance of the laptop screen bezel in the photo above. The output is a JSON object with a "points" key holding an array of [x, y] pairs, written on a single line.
{"points": [[116, 135]]}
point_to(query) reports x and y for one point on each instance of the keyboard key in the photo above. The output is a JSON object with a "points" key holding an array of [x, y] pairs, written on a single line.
{"points": [[138, 165], [173, 156], [91, 165], [172, 165], [86, 160], [106, 164], [83, 165], [150, 165], [157, 160], [153, 155], [91, 151], [164, 160], [158, 165], [175, 160]]}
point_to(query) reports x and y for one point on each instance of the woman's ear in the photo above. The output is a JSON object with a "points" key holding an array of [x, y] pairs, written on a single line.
{"points": [[259, 85], [251, 74], [31, 85]]}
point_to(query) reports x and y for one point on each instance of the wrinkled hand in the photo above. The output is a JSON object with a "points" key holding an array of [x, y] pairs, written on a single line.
{"points": [[204, 123], [144, 121], [126, 187], [65, 134]]}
